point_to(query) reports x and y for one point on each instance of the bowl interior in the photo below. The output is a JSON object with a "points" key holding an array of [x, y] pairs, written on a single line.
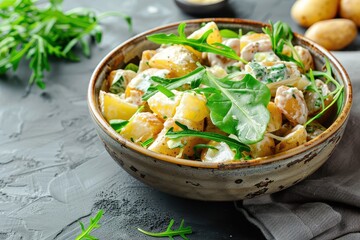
{"points": [[131, 51]]}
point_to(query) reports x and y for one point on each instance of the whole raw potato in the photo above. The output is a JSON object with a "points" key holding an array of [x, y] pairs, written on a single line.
{"points": [[308, 12], [333, 34], [350, 9]]}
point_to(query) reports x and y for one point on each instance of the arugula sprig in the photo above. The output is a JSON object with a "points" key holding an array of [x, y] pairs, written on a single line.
{"points": [[280, 35], [94, 223], [180, 231], [28, 31], [198, 44], [337, 93], [173, 83], [234, 144]]}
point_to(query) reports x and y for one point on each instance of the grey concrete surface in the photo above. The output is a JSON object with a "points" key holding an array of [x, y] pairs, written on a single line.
{"points": [[54, 171]]}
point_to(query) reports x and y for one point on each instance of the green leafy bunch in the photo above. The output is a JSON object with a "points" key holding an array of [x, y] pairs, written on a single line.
{"points": [[38, 33]]}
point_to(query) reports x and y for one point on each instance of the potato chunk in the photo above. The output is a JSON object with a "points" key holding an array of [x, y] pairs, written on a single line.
{"points": [[177, 147], [192, 107], [140, 84], [222, 153], [163, 106], [295, 138], [275, 117], [114, 107], [142, 127], [263, 148], [177, 59], [214, 37], [290, 101]]}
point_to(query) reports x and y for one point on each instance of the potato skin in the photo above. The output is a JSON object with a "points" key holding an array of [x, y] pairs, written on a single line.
{"points": [[350, 9], [308, 12], [334, 34]]}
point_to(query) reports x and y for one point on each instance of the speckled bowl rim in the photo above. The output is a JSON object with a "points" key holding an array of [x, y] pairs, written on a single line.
{"points": [[331, 130]]}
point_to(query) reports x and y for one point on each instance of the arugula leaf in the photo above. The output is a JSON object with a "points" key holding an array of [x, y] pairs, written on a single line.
{"points": [[239, 107], [94, 223], [181, 231], [28, 31], [227, 33], [280, 35], [173, 83], [234, 144], [198, 44]]}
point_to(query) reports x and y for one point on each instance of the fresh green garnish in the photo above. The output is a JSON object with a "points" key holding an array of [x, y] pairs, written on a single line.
{"points": [[181, 231], [239, 107], [147, 142], [165, 91], [94, 223], [337, 94], [36, 34], [117, 85], [173, 83], [234, 144], [118, 124], [227, 33], [133, 67], [280, 35], [198, 44]]}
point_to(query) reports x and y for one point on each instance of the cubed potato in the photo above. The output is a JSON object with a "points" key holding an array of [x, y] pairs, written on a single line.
{"points": [[180, 147], [275, 117], [192, 107], [141, 83], [143, 126], [163, 106], [177, 59], [145, 57], [295, 138], [265, 147], [114, 107], [222, 153], [290, 101]]}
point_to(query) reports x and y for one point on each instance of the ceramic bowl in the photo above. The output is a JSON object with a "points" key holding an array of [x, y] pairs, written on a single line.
{"points": [[214, 181]]}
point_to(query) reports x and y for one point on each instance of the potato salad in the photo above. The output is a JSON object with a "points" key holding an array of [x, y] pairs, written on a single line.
{"points": [[219, 95]]}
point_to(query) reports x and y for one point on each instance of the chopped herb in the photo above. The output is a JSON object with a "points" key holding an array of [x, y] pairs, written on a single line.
{"points": [[147, 142], [132, 67], [117, 86], [94, 223], [227, 33], [165, 91], [118, 124], [232, 69], [181, 231]]}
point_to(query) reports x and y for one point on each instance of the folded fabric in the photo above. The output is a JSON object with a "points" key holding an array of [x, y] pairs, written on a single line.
{"points": [[327, 204]]}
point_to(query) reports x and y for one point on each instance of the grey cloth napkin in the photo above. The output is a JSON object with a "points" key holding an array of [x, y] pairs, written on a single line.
{"points": [[326, 205]]}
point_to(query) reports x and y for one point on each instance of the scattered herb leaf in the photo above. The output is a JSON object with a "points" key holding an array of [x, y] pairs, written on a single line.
{"points": [[147, 142], [181, 231], [165, 91], [94, 223], [227, 33]]}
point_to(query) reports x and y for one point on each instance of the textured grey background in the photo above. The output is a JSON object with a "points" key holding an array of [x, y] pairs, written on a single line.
{"points": [[54, 170]]}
